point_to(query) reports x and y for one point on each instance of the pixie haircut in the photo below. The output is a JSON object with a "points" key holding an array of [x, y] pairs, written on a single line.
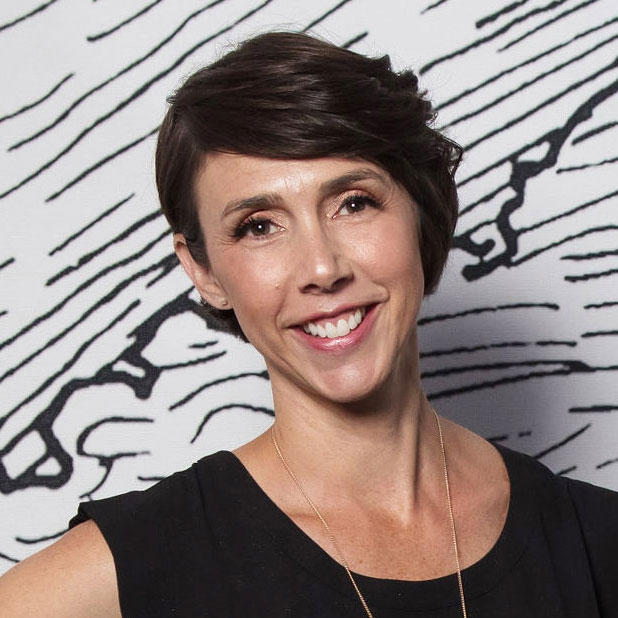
{"points": [[291, 96]]}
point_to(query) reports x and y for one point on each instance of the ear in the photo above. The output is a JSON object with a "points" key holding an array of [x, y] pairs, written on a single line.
{"points": [[202, 276]]}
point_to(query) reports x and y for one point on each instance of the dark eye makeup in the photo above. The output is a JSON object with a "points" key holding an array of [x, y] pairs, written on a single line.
{"points": [[358, 202], [259, 225]]}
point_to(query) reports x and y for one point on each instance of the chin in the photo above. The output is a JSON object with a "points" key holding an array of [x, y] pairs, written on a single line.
{"points": [[346, 388]]}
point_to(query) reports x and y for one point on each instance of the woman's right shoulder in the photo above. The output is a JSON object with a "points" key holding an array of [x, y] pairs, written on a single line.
{"points": [[73, 578]]}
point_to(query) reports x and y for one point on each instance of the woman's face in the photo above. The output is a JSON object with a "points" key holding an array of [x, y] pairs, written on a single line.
{"points": [[320, 261]]}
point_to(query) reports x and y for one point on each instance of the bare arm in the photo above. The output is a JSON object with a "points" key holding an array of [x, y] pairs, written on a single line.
{"points": [[73, 578]]}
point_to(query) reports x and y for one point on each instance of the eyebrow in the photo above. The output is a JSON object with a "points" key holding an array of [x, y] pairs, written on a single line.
{"points": [[327, 188]]}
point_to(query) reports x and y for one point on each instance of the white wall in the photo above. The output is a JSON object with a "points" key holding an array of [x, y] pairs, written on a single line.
{"points": [[108, 378]]}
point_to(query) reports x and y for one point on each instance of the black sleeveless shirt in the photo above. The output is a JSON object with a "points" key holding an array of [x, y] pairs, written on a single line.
{"points": [[209, 542]]}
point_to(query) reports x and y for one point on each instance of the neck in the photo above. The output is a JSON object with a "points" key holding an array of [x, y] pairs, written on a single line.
{"points": [[374, 451]]}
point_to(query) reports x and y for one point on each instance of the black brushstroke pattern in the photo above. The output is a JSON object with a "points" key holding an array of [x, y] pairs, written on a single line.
{"points": [[593, 255], [576, 168], [486, 39], [566, 470], [3, 312], [229, 406], [187, 398], [549, 22], [193, 361], [43, 426], [88, 257], [563, 442], [88, 226], [596, 130], [601, 305], [590, 276], [95, 166], [7, 263], [42, 99], [600, 333], [550, 342], [475, 348], [435, 5], [83, 286], [522, 172], [141, 386], [32, 13], [606, 463], [574, 366], [478, 310], [503, 11], [65, 113], [201, 346], [568, 213], [99, 303], [4, 556], [597, 408], [150, 479], [92, 309], [106, 461], [531, 60], [51, 378], [128, 20], [166, 266], [324, 16], [594, 230], [132, 98], [608, 91], [41, 539], [492, 346], [355, 40], [570, 367], [531, 82]]}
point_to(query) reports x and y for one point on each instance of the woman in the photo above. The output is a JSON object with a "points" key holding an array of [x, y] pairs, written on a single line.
{"points": [[313, 206]]}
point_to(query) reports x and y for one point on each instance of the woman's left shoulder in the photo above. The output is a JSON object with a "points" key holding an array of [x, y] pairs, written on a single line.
{"points": [[597, 507]]}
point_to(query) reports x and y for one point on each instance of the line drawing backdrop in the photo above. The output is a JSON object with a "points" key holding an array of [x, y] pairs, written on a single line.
{"points": [[109, 377]]}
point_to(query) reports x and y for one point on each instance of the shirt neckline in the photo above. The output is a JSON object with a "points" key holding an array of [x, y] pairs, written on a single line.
{"points": [[439, 593]]}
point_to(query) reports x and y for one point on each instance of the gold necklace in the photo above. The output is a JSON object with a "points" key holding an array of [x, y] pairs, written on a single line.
{"points": [[331, 537]]}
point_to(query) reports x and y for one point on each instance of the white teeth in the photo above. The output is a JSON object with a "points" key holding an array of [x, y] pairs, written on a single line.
{"points": [[331, 330], [352, 323], [343, 328]]}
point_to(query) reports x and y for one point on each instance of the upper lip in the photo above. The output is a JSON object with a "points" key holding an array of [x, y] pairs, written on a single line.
{"points": [[314, 317]]}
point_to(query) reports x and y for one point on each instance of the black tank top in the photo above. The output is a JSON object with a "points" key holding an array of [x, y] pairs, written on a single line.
{"points": [[208, 542]]}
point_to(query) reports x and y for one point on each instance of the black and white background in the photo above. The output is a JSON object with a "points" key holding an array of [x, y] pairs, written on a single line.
{"points": [[110, 380]]}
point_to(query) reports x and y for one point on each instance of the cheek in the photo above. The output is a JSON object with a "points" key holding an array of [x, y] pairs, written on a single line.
{"points": [[254, 283], [392, 252]]}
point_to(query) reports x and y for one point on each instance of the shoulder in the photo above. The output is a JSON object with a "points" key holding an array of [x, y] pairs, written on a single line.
{"points": [[597, 512], [160, 538], [72, 578], [580, 515]]}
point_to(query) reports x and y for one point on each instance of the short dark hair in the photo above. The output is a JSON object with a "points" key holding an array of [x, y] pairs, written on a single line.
{"points": [[291, 96]]}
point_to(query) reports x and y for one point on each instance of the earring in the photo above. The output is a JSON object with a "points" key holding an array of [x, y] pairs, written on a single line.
{"points": [[224, 302]]}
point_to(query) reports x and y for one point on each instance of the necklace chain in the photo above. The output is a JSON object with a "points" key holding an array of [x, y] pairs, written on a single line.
{"points": [[334, 543]]}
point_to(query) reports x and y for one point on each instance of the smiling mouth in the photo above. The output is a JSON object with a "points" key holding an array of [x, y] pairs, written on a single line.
{"points": [[330, 330]]}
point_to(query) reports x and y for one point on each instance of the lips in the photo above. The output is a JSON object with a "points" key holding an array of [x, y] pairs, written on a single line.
{"points": [[337, 327]]}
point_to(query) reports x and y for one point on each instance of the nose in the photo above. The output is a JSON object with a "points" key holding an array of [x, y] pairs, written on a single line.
{"points": [[322, 264]]}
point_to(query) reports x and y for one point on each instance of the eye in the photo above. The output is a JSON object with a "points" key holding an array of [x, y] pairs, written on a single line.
{"points": [[356, 203], [255, 226]]}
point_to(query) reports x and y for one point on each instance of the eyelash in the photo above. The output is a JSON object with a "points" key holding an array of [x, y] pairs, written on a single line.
{"points": [[241, 230]]}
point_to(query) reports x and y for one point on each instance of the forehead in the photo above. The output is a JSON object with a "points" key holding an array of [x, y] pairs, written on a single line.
{"points": [[227, 177]]}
